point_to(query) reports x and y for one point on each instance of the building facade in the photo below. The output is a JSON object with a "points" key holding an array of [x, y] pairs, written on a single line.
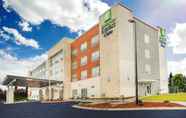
{"points": [[101, 62], [56, 67]]}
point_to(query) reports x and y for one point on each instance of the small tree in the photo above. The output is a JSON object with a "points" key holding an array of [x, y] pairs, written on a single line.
{"points": [[170, 79], [179, 82]]}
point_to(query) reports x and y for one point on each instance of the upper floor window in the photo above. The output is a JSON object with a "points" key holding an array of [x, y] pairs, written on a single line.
{"points": [[74, 77], [84, 74], [83, 46], [146, 38], [83, 60], [74, 65], [74, 52], [147, 68], [95, 40], [95, 55], [147, 53], [95, 71]]}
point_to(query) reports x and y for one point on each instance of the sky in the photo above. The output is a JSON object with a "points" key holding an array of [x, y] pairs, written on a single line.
{"points": [[29, 28]]}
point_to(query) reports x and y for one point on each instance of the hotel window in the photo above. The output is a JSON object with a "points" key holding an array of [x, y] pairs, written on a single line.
{"points": [[95, 56], [95, 71], [146, 38], [74, 65], [74, 92], [56, 62], [84, 74], [94, 40], [74, 52], [147, 53], [83, 46], [147, 68], [83, 60], [74, 77]]}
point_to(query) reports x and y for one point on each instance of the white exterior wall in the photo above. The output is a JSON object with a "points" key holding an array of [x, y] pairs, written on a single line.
{"points": [[153, 76], [88, 83], [163, 70], [117, 56], [126, 52]]}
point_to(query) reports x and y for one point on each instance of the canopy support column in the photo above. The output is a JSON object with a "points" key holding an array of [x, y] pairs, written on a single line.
{"points": [[10, 95]]}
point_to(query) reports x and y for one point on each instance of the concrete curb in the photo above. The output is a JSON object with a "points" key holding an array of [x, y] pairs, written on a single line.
{"points": [[129, 109]]}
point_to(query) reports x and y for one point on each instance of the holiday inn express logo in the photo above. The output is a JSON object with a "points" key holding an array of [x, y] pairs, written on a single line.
{"points": [[107, 23], [107, 16], [163, 38]]}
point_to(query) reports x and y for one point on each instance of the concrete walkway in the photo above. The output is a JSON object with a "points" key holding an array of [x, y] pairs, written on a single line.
{"points": [[129, 109]]}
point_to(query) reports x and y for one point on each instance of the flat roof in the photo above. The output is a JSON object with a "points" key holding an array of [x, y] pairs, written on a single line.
{"points": [[145, 23], [28, 81]]}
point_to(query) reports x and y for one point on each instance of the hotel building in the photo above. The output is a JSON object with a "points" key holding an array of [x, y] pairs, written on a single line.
{"points": [[101, 62]]}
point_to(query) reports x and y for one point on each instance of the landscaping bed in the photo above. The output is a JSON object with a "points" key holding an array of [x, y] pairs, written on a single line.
{"points": [[181, 97], [132, 105]]}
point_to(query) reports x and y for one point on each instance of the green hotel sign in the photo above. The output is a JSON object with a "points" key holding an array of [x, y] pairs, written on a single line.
{"points": [[107, 23], [163, 38], [107, 16]]}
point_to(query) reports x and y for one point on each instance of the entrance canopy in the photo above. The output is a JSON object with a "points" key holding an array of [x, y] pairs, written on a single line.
{"points": [[28, 81]]}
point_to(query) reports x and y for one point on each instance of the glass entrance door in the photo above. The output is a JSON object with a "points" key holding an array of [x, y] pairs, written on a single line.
{"points": [[84, 93], [148, 89]]}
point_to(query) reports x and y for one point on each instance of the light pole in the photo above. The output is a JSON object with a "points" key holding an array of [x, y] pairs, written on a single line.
{"points": [[136, 60]]}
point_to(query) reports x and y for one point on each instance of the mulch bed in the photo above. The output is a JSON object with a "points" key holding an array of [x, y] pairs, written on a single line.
{"points": [[132, 105]]}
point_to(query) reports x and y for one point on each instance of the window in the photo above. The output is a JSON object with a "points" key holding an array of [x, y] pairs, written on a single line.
{"points": [[147, 53], [74, 92], [147, 68], [94, 40], [74, 52], [95, 71], [74, 65], [95, 55], [84, 74], [74, 77], [83, 60], [56, 62], [83, 46], [146, 38]]}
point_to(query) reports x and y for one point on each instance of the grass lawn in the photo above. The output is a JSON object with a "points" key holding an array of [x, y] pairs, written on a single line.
{"points": [[169, 97]]}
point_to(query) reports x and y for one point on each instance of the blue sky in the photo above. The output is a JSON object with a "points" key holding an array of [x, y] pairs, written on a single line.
{"points": [[29, 28]]}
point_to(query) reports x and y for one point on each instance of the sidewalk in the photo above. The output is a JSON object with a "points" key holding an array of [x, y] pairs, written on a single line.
{"points": [[129, 109]]}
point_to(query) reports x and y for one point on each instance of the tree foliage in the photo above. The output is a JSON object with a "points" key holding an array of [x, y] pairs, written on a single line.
{"points": [[179, 81]]}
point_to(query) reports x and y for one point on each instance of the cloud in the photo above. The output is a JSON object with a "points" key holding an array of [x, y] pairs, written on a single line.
{"points": [[75, 14], [19, 39], [25, 26], [177, 66], [161, 12], [12, 65], [4, 36], [177, 39]]}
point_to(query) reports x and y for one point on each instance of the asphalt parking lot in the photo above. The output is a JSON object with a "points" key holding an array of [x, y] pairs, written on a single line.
{"points": [[38, 110]]}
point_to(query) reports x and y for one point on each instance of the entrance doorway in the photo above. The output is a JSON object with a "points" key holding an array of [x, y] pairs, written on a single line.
{"points": [[148, 89], [84, 93]]}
